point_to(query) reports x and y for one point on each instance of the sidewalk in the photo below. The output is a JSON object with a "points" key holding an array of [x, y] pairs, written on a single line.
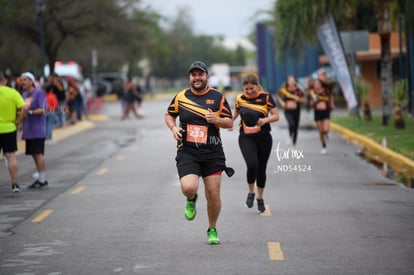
{"points": [[60, 134]]}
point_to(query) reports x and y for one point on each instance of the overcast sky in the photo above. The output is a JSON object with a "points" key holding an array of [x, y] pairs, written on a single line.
{"points": [[231, 18]]}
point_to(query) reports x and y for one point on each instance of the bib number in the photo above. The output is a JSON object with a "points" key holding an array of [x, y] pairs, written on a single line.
{"points": [[321, 106], [197, 133], [291, 105], [251, 129]]}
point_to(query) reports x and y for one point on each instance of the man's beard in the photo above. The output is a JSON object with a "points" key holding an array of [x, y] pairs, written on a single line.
{"points": [[201, 88]]}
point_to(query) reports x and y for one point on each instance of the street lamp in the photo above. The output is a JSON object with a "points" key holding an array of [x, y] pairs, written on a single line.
{"points": [[40, 10]]}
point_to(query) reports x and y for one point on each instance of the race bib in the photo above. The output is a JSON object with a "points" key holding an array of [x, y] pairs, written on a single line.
{"points": [[197, 133], [291, 105], [321, 106], [251, 129]]}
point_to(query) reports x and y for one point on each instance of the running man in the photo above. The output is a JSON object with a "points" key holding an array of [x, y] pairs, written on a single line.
{"points": [[202, 111]]}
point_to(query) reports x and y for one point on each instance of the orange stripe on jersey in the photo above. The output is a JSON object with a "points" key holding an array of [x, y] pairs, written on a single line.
{"points": [[225, 112], [173, 107], [261, 103], [193, 111]]}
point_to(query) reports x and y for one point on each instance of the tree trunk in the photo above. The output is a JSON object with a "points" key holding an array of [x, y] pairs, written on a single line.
{"points": [[384, 30]]}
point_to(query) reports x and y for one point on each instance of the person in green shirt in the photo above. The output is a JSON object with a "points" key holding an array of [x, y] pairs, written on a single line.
{"points": [[11, 114]]}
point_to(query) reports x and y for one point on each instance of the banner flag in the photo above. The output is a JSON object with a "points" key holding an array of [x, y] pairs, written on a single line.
{"points": [[331, 43]]}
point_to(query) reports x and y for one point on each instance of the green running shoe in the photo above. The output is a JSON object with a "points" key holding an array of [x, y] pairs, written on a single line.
{"points": [[190, 209], [212, 236]]}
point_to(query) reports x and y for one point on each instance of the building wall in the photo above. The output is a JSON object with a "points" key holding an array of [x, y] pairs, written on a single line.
{"points": [[369, 64], [272, 72], [369, 74]]}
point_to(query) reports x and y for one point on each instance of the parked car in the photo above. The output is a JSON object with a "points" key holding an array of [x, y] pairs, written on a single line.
{"points": [[101, 88], [116, 79]]}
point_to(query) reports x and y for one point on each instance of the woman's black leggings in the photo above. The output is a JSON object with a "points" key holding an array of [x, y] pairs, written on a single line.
{"points": [[256, 151], [292, 117]]}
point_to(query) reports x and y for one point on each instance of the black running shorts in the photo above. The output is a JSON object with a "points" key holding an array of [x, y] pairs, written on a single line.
{"points": [[35, 146], [189, 163], [322, 115], [8, 142]]}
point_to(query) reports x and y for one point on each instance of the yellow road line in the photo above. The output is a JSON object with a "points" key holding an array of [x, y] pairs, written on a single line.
{"points": [[102, 171], [120, 157], [78, 190], [267, 211], [275, 251], [42, 216]]}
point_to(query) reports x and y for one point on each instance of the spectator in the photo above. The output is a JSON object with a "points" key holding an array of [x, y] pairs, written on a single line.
{"points": [[34, 126], [56, 86], [81, 101], [11, 104], [52, 108], [72, 101], [130, 94]]}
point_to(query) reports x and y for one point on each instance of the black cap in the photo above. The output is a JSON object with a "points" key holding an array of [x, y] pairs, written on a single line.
{"points": [[198, 65]]}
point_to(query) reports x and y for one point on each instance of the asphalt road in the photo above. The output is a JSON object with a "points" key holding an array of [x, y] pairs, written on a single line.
{"points": [[114, 206]]}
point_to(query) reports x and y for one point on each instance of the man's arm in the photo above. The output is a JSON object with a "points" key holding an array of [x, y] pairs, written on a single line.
{"points": [[170, 121], [19, 116]]}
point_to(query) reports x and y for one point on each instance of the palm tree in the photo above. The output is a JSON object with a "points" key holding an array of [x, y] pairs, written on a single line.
{"points": [[296, 22], [362, 89], [399, 96], [384, 31]]}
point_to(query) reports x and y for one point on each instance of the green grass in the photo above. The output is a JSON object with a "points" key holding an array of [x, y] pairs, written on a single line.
{"points": [[400, 141]]}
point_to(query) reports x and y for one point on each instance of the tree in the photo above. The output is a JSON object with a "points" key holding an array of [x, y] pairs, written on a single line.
{"points": [[399, 96], [362, 90], [384, 31], [179, 47], [296, 22], [67, 22]]}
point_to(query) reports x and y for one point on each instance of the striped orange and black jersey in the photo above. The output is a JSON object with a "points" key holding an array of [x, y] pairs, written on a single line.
{"points": [[321, 98], [251, 109], [321, 94], [290, 93], [199, 136]]}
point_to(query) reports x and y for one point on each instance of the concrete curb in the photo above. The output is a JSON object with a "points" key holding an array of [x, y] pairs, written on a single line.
{"points": [[373, 150], [155, 96]]}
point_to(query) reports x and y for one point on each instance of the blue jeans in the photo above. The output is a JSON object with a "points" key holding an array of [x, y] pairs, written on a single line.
{"points": [[61, 114], [50, 122]]}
